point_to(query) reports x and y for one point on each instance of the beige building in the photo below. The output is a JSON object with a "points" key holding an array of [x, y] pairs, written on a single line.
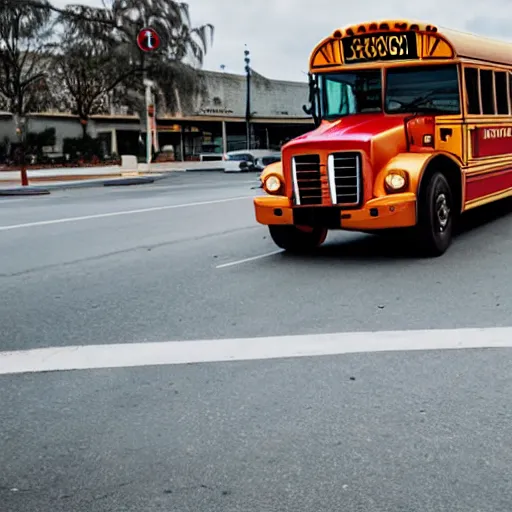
{"points": [[210, 120]]}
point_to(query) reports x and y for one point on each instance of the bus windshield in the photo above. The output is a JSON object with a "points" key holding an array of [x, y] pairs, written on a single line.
{"points": [[423, 89], [351, 93], [409, 89]]}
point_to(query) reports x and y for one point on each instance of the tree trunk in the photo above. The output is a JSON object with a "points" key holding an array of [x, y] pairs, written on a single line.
{"points": [[24, 176], [20, 128], [83, 122]]}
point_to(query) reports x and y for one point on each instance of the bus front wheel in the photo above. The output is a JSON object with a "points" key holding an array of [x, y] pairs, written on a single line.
{"points": [[296, 238], [435, 216]]}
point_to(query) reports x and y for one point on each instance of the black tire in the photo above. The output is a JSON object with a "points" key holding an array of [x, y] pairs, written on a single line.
{"points": [[293, 239], [435, 216]]}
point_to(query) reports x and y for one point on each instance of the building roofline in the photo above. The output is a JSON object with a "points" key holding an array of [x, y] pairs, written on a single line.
{"points": [[259, 75], [183, 119]]}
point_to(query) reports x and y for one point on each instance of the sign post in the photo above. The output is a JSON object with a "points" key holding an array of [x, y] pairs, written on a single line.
{"points": [[150, 108], [148, 41]]}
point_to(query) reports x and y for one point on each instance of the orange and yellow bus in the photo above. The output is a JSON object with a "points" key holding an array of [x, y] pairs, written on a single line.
{"points": [[413, 127]]}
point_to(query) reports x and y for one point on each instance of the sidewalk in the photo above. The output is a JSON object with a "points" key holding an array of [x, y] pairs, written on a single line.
{"points": [[10, 181]]}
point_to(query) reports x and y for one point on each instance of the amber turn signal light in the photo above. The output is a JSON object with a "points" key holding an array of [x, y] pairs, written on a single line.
{"points": [[428, 140]]}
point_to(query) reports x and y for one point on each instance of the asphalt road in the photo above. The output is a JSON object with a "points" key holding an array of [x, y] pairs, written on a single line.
{"points": [[183, 259]]}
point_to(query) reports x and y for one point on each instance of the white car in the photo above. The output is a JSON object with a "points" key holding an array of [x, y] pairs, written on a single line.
{"points": [[249, 160]]}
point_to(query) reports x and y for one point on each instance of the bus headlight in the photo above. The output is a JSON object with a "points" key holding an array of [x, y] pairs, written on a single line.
{"points": [[396, 181], [272, 184]]}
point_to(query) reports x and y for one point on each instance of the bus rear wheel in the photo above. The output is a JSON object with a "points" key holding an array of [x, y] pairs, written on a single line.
{"points": [[297, 239], [435, 216]]}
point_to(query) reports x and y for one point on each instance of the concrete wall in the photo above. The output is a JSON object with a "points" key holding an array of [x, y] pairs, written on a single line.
{"points": [[104, 125], [65, 127], [7, 128], [225, 94]]}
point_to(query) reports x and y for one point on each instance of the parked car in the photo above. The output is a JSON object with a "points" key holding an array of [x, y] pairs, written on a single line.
{"points": [[249, 160]]}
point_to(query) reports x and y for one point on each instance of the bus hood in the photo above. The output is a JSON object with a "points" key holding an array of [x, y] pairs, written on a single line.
{"points": [[378, 137], [359, 128]]}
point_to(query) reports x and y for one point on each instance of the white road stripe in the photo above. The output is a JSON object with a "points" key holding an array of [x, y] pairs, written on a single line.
{"points": [[10, 199], [233, 263], [115, 214], [175, 353]]}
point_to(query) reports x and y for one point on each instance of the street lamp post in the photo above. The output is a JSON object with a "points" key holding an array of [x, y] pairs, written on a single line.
{"points": [[148, 41], [248, 98]]}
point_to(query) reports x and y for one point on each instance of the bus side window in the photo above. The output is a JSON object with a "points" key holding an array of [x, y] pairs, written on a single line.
{"points": [[472, 88], [487, 91], [501, 89], [510, 88]]}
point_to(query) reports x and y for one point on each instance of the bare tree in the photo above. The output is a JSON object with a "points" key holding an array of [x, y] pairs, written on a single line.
{"points": [[45, 5], [116, 24], [97, 53], [24, 59], [89, 70]]}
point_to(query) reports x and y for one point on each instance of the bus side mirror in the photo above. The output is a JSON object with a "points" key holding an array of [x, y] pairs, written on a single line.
{"points": [[314, 98]]}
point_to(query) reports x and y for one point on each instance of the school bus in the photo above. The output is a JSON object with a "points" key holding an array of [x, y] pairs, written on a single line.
{"points": [[413, 126]]}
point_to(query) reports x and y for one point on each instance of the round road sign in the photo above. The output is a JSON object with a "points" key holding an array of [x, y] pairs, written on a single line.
{"points": [[148, 40]]}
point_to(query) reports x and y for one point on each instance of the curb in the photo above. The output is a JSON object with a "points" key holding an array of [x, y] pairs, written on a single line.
{"points": [[128, 181], [24, 191], [213, 169], [91, 183]]}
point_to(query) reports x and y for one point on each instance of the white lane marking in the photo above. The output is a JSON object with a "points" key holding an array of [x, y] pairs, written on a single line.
{"points": [[10, 200], [259, 257], [115, 214], [208, 351]]}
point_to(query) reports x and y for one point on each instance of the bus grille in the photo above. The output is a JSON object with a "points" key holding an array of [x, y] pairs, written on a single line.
{"points": [[344, 170], [306, 180]]}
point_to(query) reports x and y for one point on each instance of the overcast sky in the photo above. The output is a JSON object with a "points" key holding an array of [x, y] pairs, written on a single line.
{"points": [[281, 33]]}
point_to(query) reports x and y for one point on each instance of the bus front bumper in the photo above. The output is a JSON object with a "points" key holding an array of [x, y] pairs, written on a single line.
{"points": [[393, 211]]}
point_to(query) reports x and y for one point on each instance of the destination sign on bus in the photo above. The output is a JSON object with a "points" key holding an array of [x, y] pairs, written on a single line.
{"points": [[375, 47], [491, 141]]}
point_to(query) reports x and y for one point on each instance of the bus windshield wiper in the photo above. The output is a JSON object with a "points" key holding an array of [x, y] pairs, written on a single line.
{"points": [[417, 109], [416, 104]]}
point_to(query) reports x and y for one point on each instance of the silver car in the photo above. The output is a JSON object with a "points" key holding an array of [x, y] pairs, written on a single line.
{"points": [[250, 160]]}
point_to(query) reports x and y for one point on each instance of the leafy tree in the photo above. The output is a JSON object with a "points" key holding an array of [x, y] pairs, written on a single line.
{"points": [[182, 46]]}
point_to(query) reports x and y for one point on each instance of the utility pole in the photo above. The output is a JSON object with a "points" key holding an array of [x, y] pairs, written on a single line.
{"points": [[248, 97], [148, 84]]}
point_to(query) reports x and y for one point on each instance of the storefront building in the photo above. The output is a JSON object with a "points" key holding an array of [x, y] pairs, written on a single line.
{"points": [[212, 120]]}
